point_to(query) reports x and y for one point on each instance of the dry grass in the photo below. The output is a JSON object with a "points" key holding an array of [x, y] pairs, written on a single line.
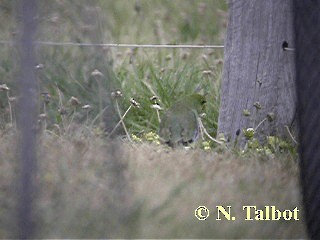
{"points": [[89, 188]]}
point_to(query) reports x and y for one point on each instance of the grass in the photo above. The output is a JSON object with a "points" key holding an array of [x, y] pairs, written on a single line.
{"points": [[90, 187], [66, 72]]}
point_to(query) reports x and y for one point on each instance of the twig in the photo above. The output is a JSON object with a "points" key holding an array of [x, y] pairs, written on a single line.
{"points": [[60, 98], [121, 120], [157, 108], [10, 108], [207, 134], [158, 115], [61, 107], [45, 119], [201, 129], [288, 130], [260, 123]]}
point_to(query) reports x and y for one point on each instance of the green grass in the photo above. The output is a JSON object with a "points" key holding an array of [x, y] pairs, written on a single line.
{"points": [[138, 73], [89, 187]]}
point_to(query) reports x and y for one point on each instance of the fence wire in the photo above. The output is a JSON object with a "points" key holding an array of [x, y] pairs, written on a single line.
{"points": [[307, 39], [118, 45]]}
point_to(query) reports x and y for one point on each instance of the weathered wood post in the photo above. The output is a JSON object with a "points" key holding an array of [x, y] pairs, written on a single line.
{"points": [[258, 74]]}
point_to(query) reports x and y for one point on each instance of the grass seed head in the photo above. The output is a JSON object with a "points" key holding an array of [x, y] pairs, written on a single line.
{"points": [[246, 113], [156, 106], [39, 66], [96, 73], [134, 103], [87, 106], [168, 57], [202, 115], [62, 110], [116, 94], [46, 97], [219, 62], [56, 127], [42, 116], [257, 105], [207, 72], [204, 57], [4, 87], [185, 55], [270, 116], [12, 99], [73, 101], [154, 99], [249, 133]]}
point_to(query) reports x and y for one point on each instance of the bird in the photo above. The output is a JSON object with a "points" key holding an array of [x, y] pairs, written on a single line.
{"points": [[179, 124]]}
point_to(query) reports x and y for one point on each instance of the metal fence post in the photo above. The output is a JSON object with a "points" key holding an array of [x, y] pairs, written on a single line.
{"points": [[27, 119]]}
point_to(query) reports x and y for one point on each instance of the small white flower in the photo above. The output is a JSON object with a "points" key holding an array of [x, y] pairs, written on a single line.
{"points": [[156, 106]]}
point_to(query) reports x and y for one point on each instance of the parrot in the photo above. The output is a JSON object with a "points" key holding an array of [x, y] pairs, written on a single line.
{"points": [[179, 124]]}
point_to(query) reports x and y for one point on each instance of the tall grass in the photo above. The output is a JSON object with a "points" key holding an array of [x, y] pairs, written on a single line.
{"points": [[64, 72]]}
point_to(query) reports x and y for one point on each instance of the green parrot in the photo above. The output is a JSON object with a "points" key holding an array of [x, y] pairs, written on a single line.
{"points": [[179, 124]]}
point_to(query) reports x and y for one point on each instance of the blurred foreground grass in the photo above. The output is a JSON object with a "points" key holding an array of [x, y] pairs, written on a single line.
{"points": [[89, 188]]}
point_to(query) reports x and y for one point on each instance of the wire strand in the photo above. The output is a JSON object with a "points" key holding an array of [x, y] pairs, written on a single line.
{"points": [[124, 45], [118, 45]]}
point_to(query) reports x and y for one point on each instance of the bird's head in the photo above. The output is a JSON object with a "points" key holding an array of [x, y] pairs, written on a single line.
{"points": [[196, 101]]}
